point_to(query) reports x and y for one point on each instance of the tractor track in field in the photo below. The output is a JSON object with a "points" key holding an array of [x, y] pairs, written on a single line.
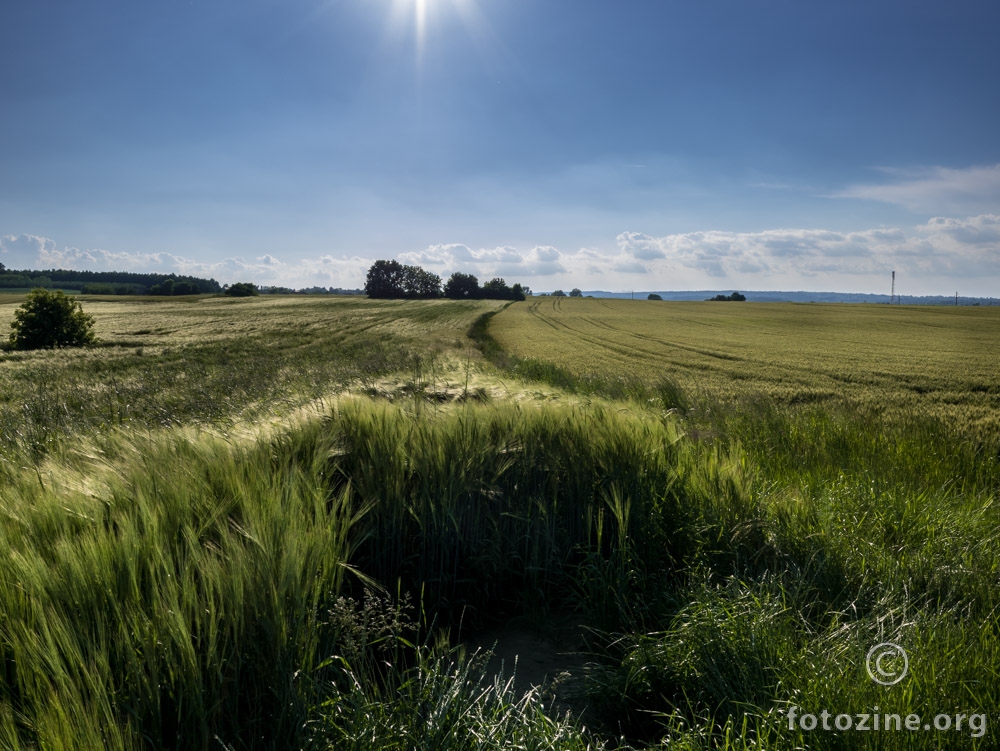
{"points": [[625, 343]]}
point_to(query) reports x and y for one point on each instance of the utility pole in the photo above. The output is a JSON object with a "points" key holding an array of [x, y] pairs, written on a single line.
{"points": [[956, 298], [892, 294]]}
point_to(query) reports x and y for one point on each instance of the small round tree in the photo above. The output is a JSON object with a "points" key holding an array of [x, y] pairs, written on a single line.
{"points": [[50, 319]]}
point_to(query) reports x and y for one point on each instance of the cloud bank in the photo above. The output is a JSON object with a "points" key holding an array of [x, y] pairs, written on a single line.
{"points": [[36, 252], [942, 251], [943, 247]]}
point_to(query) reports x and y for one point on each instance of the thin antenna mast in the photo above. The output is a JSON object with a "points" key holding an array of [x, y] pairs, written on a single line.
{"points": [[892, 294]]}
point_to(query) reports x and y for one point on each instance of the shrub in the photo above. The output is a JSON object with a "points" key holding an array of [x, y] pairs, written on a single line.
{"points": [[50, 319]]}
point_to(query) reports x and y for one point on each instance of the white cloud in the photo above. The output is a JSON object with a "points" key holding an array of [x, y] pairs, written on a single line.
{"points": [[36, 252], [23, 251], [807, 251], [976, 231], [545, 253], [323, 271], [640, 246], [935, 189], [541, 260], [958, 247], [962, 247]]}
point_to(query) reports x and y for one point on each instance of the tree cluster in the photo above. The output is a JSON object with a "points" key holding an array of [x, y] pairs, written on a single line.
{"points": [[16, 280], [735, 297], [242, 289], [393, 280]]}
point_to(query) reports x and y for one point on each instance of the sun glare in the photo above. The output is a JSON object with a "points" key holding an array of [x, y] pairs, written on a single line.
{"points": [[420, 20], [419, 13]]}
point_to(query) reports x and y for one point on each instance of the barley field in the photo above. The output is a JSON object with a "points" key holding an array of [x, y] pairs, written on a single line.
{"points": [[307, 522], [213, 360], [943, 360]]}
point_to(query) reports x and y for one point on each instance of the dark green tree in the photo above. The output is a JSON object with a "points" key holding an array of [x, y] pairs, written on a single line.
{"points": [[497, 289], [559, 293], [462, 287], [242, 289], [421, 284], [185, 288], [166, 287], [653, 296], [50, 319], [385, 280], [575, 292]]}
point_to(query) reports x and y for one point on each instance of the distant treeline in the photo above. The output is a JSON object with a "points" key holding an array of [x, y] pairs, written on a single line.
{"points": [[393, 280], [108, 282]]}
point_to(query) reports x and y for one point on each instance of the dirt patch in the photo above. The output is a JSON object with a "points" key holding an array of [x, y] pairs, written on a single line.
{"points": [[551, 659]]}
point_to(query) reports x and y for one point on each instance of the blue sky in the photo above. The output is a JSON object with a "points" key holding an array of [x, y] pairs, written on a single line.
{"points": [[604, 145]]}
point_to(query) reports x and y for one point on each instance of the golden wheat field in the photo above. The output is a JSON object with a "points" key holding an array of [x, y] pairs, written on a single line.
{"points": [[938, 358]]}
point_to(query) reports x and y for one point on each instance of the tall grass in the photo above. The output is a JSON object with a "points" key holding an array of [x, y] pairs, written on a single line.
{"points": [[176, 606], [182, 600], [189, 596], [489, 505], [445, 702]]}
